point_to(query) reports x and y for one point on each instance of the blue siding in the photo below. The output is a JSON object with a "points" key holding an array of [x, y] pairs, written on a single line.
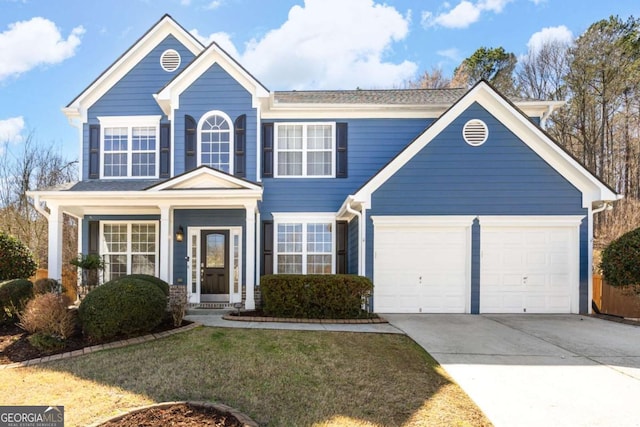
{"points": [[501, 177], [203, 218], [133, 94], [215, 89], [372, 143], [352, 246]]}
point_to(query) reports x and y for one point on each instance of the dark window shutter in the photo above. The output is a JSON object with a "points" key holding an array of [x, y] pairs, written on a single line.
{"points": [[267, 248], [165, 150], [190, 160], [94, 151], [94, 237], [341, 150], [240, 142], [267, 150], [342, 233]]}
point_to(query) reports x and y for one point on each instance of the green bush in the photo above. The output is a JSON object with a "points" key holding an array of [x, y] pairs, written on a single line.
{"points": [[164, 286], [14, 294], [318, 296], [621, 260], [122, 307], [48, 285], [46, 342], [16, 260]]}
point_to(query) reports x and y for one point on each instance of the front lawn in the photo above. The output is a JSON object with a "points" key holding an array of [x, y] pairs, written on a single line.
{"points": [[279, 378]]}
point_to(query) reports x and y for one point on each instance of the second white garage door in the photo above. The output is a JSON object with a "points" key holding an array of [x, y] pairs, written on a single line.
{"points": [[529, 265], [422, 264]]}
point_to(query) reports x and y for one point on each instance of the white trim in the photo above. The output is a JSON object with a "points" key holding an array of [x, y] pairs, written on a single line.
{"points": [[204, 118], [592, 189], [234, 183], [129, 122], [304, 218], [304, 149], [166, 26], [530, 220]]}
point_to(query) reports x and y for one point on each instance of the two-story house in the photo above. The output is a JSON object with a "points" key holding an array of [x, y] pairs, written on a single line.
{"points": [[450, 200]]}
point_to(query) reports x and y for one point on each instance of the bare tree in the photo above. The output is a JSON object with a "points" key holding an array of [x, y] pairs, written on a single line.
{"points": [[434, 79], [540, 74], [30, 166]]}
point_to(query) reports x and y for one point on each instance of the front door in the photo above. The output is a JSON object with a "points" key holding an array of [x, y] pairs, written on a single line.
{"points": [[214, 264]]}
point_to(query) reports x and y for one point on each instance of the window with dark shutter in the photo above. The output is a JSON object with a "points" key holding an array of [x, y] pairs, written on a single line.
{"points": [[165, 150], [267, 150], [267, 248], [94, 151], [341, 150], [94, 237], [240, 126], [190, 159]]}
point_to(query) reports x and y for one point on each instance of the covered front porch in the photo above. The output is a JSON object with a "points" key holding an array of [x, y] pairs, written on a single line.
{"points": [[196, 230]]}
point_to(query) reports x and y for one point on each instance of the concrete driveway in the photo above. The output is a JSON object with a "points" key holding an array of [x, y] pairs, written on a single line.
{"points": [[537, 370]]}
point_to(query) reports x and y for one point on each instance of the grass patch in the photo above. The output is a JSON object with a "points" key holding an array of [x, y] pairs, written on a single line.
{"points": [[279, 378]]}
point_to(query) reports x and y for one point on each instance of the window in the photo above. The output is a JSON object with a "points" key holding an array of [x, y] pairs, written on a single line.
{"points": [[304, 247], [305, 149], [129, 248], [215, 136], [130, 146]]}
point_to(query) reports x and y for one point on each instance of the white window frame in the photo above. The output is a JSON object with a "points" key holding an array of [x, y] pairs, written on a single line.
{"points": [[201, 122], [305, 149], [129, 253], [130, 122], [304, 219]]}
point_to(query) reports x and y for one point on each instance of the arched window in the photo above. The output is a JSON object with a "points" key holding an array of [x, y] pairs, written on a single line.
{"points": [[215, 139]]}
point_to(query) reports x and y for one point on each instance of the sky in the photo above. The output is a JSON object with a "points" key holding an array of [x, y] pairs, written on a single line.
{"points": [[51, 50]]}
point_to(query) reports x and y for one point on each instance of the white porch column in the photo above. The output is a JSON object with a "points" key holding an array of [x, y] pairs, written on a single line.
{"points": [[250, 302], [165, 239], [55, 242]]}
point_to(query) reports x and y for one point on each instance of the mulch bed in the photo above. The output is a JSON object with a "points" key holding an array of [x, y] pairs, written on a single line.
{"points": [[182, 414], [14, 346]]}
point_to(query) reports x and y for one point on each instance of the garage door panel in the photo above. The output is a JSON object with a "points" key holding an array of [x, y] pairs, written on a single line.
{"points": [[421, 269], [527, 268]]}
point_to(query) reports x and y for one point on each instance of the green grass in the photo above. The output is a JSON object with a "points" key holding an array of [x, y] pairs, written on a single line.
{"points": [[279, 378]]}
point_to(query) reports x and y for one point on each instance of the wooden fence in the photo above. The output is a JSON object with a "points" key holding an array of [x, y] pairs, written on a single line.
{"points": [[615, 301], [69, 280]]}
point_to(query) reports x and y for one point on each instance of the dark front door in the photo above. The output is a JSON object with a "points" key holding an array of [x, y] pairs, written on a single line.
{"points": [[214, 267]]}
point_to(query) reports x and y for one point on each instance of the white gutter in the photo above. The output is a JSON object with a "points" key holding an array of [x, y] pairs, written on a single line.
{"points": [[36, 204], [605, 206], [360, 237]]}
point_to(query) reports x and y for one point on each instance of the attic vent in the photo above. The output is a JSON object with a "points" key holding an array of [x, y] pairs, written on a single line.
{"points": [[475, 132], [170, 60]]}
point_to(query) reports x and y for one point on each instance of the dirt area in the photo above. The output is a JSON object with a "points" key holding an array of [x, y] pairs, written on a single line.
{"points": [[184, 415]]}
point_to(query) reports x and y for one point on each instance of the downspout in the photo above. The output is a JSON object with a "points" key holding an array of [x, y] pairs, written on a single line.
{"points": [[40, 209], [359, 215], [605, 206], [545, 117]]}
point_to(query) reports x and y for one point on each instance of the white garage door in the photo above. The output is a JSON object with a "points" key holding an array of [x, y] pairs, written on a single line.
{"points": [[529, 265], [421, 264]]}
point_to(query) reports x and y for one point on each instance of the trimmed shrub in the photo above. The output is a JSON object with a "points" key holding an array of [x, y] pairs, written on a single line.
{"points": [[318, 296], [48, 285], [16, 260], [621, 260], [46, 342], [124, 306], [164, 286], [48, 314], [14, 294]]}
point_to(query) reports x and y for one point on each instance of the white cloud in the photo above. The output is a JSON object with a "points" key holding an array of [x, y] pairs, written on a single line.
{"points": [[559, 33], [29, 44], [319, 48], [213, 5], [452, 54], [463, 14], [11, 130], [185, 2], [537, 2], [221, 38]]}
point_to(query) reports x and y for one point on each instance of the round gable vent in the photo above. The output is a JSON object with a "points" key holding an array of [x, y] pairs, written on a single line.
{"points": [[170, 60], [475, 132]]}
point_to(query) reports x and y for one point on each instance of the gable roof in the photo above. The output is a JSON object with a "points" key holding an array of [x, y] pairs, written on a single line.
{"points": [[592, 188], [164, 27], [169, 97], [205, 177]]}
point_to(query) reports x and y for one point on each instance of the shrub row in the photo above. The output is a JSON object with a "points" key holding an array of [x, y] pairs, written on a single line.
{"points": [[338, 296]]}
